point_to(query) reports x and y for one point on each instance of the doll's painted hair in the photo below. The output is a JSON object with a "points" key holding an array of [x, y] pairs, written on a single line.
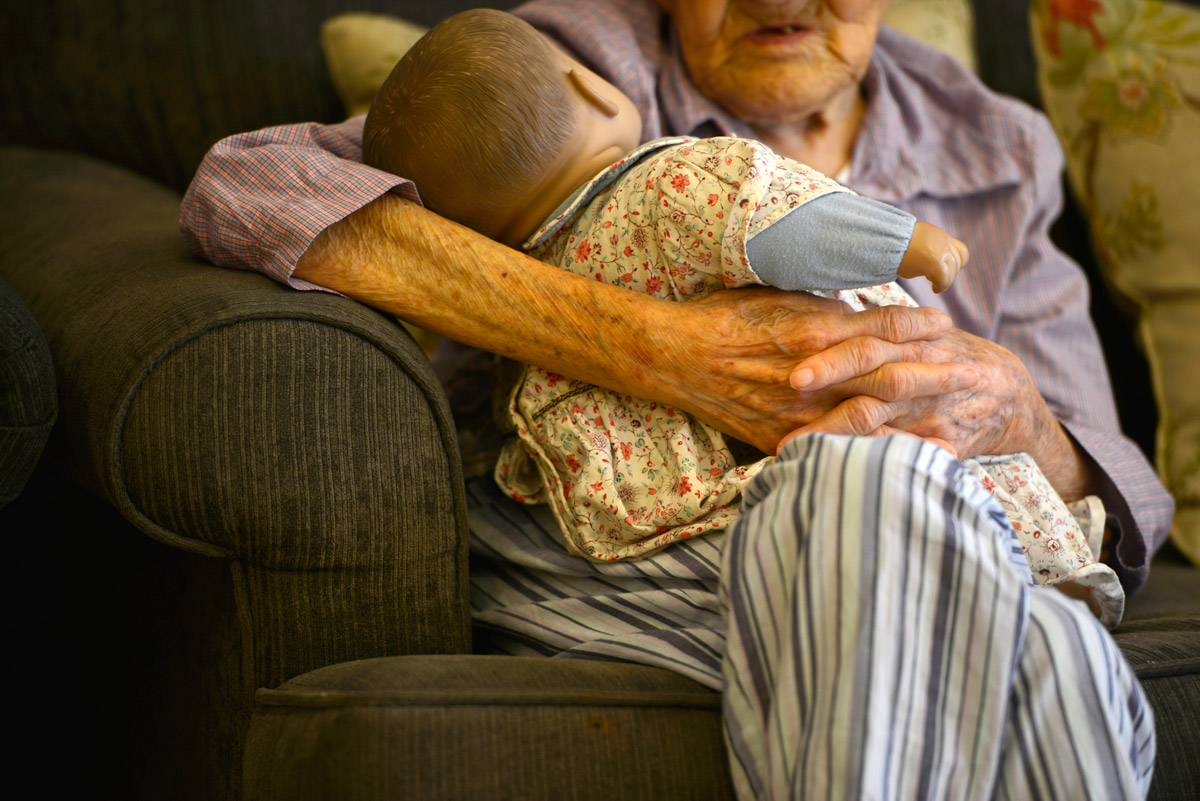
{"points": [[474, 113]]}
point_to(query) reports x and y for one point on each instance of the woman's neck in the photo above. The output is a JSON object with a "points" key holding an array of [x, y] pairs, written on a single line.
{"points": [[823, 140]]}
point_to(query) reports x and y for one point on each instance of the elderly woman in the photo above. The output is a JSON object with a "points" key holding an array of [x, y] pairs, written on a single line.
{"points": [[869, 618]]}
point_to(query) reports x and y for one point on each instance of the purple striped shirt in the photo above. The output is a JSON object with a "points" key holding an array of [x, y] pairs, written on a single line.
{"points": [[934, 142]]}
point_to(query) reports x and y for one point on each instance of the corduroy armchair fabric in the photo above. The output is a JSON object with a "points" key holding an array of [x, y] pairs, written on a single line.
{"points": [[298, 441]]}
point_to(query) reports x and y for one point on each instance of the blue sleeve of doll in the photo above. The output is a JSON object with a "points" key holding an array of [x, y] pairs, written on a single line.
{"points": [[836, 241]]}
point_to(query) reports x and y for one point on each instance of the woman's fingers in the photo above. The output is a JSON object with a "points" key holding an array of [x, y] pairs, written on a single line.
{"points": [[841, 362], [871, 339], [858, 416], [727, 357], [892, 324], [904, 381], [888, 370], [904, 323]]}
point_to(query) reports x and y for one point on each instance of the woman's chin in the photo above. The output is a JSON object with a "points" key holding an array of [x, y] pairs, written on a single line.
{"points": [[780, 92]]}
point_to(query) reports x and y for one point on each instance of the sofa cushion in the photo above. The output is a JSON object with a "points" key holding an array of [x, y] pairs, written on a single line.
{"points": [[494, 727], [152, 85], [467, 727], [299, 434], [360, 50], [1165, 655]]}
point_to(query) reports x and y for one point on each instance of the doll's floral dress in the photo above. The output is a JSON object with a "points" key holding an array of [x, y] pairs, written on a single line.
{"points": [[626, 477]]}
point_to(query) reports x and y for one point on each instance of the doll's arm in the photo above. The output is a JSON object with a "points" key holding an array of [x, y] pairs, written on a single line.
{"points": [[733, 209], [836, 241], [845, 241]]}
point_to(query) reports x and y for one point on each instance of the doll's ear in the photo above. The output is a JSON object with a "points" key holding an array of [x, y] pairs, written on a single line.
{"points": [[589, 93]]}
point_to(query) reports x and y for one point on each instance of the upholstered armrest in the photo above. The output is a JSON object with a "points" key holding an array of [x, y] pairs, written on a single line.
{"points": [[300, 435]]}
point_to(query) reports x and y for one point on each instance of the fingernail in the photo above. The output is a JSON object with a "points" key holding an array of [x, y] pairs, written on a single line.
{"points": [[802, 378]]}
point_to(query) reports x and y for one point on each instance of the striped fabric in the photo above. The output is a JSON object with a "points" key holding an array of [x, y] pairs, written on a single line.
{"points": [[530, 597], [882, 648], [871, 620]]}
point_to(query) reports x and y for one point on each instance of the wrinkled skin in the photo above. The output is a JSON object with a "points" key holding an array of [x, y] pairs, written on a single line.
{"points": [[1000, 412], [746, 343], [789, 68]]}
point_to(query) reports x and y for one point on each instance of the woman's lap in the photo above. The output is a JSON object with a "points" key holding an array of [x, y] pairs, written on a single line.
{"points": [[879, 566]]}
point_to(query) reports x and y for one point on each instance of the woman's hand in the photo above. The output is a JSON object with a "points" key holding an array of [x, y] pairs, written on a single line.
{"points": [[1002, 412], [727, 358]]}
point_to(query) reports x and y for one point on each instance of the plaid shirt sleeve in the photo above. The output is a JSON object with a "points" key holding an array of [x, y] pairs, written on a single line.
{"points": [[260, 198]]}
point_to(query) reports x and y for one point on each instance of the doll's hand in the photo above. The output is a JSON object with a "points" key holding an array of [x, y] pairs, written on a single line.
{"points": [[934, 254]]}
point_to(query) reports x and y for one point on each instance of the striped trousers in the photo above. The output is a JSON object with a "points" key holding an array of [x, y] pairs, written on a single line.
{"points": [[870, 621]]}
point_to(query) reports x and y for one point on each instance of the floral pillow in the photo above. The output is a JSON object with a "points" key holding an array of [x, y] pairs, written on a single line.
{"points": [[1120, 80]]}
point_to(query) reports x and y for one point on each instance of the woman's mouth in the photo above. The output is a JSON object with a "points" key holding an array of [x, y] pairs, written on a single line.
{"points": [[775, 35]]}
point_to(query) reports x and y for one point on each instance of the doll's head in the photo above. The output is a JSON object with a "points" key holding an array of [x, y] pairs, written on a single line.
{"points": [[494, 124]]}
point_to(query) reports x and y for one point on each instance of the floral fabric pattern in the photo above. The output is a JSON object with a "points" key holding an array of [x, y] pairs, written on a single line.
{"points": [[1059, 540], [626, 477]]}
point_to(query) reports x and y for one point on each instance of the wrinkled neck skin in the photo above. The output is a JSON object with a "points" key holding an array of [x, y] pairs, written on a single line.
{"points": [[607, 126], [824, 140]]}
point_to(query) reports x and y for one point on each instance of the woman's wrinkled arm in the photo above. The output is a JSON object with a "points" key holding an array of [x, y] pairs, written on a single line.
{"points": [[725, 358], [295, 202]]}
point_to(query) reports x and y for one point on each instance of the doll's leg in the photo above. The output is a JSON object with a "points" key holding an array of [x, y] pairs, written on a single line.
{"points": [[876, 627]]}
